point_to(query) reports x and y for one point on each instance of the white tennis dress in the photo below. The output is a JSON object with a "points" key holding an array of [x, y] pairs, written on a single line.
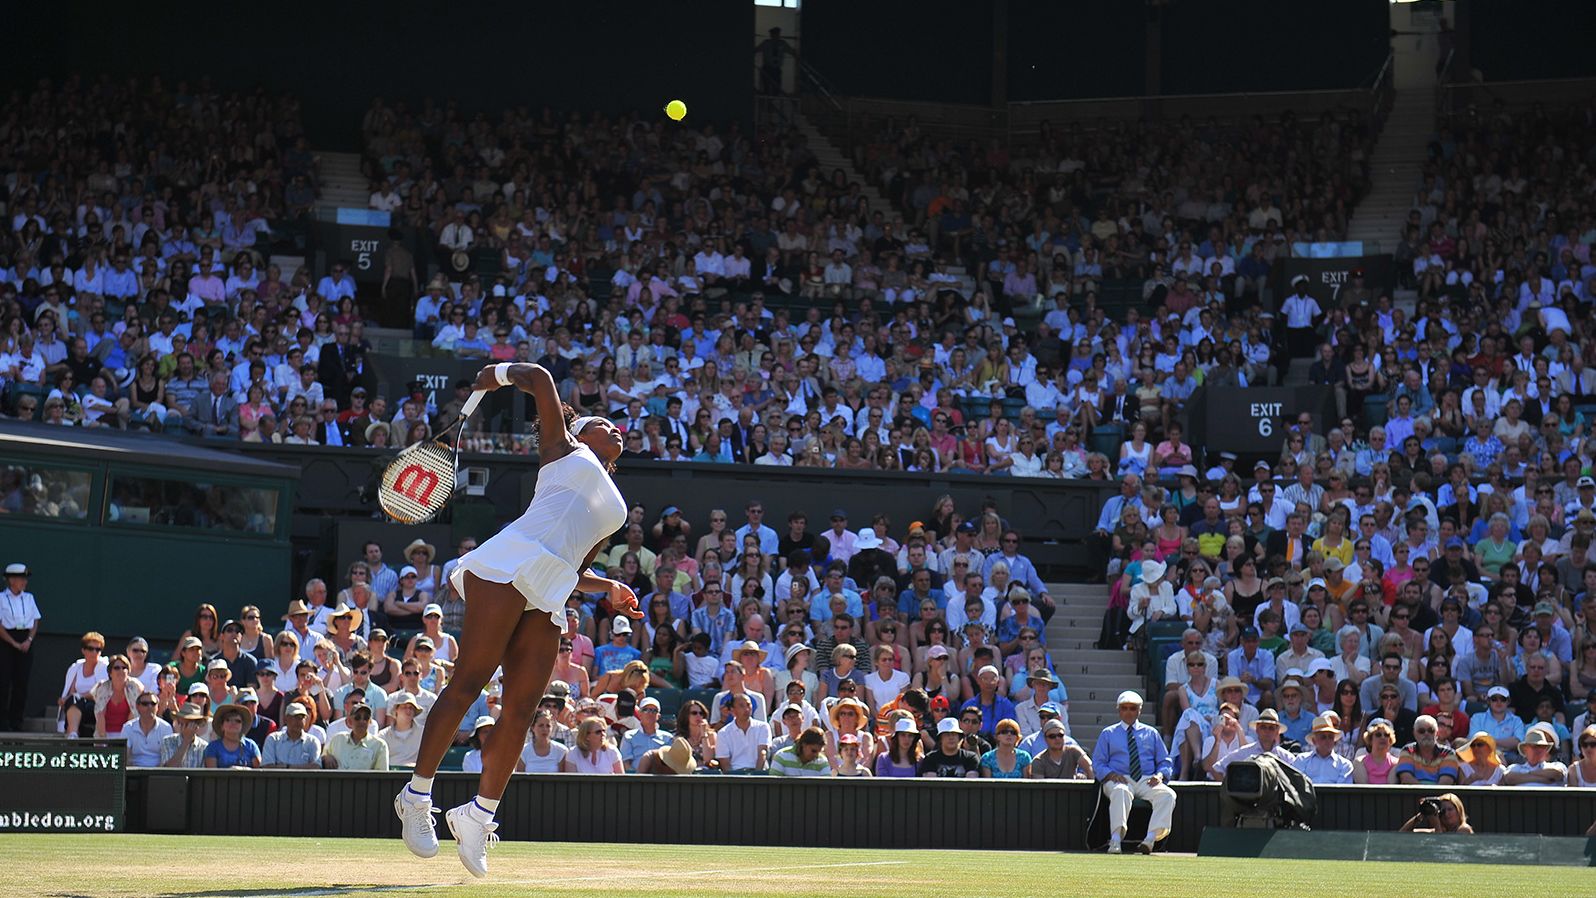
{"points": [[575, 505]]}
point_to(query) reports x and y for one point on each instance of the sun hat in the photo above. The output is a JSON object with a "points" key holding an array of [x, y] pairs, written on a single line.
{"points": [[794, 649], [1471, 755], [949, 725], [229, 710], [1539, 736], [483, 721], [351, 611], [424, 546], [17, 569], [749, 645], [866, 539], [296, 607], [855, 704], [1152, 571], [1230, 683], [1267, 718], [905, 725], [191, 712], [679, 757], [1325, 725], [404, 698]]}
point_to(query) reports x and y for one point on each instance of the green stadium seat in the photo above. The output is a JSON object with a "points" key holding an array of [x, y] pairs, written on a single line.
{"points": [[1374, 410], [1167, 629], [1106, 439], [454, 758], [670, 701], [706, 697]]}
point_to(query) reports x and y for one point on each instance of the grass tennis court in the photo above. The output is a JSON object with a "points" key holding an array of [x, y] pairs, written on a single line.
{"points": [[200, 866]]}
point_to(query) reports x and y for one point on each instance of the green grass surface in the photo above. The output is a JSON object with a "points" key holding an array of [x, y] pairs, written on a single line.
{"points": [[199, 866]]}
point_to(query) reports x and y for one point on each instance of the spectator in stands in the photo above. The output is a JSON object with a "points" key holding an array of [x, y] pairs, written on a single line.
{"points": [[77, 693], [293, 747], [1425, 760], [357, 748], [1322, 764], [230, 747], [185, 747], [743, 743], [1537, 768], [805, 756]]}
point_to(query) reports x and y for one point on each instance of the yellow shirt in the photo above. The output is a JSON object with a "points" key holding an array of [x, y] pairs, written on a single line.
{"points": [[370, 753], [1342, 551]]}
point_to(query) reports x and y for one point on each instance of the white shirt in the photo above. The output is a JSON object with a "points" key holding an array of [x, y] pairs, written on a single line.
{"points": [[145, 750], [741, 747], [884, 691], [18, 611], [550, 763], [1300, 311]]}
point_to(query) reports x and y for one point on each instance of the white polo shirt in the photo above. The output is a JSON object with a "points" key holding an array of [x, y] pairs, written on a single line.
{"points": [[741, 747]]}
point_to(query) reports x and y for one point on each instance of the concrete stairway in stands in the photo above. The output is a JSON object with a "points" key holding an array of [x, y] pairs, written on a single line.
{"points": [[831, 157], [1395, 169], [1094, 677], [343, 185]]}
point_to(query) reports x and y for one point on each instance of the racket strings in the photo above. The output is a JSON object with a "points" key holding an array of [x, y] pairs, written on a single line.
{"points": [[418, 483]]}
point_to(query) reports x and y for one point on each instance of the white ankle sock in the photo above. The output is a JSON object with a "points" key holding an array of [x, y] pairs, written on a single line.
{"points": [[483, 809], [421, 785]]}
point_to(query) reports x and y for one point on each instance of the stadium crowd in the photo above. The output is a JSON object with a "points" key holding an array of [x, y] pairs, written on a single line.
{"points": [[799, 652], [1373, 590]]}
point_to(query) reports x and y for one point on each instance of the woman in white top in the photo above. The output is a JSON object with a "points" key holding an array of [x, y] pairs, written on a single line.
{"points": [[542, 754], [444, 646], [77, 694], [593, 752], [1350, 664], [1000, 447], [1135, 452], [1026, 463], [886, 682], [515, 586], [141, 669]]}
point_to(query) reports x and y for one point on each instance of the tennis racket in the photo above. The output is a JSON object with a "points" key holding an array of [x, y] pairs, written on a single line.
{"points": [[420, 480]]}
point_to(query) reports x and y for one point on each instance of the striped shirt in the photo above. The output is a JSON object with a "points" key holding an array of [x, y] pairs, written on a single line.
{"points": [[1444, 763], [787, 763]]}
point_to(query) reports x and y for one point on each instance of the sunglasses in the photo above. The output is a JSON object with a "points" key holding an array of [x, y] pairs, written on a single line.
{"points": [[1585, 743], [144, 703]]}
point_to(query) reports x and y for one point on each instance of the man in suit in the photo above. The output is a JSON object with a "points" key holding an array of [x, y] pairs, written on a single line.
{"points": [[1578, 381], [1121, 406], [214, 413], [1290, 543], [329, 431], [340, 367], [1131, 762]]}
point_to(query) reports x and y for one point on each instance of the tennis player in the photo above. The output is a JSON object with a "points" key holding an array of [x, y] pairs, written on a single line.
{"points": [[515, 586]]}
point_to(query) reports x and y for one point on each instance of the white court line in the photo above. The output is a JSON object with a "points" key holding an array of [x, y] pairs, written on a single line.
{"points": [[650, 873]]}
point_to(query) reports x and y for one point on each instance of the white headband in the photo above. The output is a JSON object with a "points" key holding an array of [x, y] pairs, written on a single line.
{"points": [[585, 420]]}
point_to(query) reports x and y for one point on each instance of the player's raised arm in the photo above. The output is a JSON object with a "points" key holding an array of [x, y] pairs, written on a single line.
{"points": [[528, 377]]}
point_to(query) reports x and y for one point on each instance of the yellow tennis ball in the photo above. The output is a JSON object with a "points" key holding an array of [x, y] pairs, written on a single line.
{"points": [[676, 109]]}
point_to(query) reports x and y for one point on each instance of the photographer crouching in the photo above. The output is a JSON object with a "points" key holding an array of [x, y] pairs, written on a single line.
{"points": [[1439, 814]]}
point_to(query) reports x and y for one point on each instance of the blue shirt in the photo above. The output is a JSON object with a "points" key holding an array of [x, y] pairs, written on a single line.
{"points": [[1511, 726], [717, 626], [1112, 509], [1021, 571], [245, 755], [1262, 667], [1296, 728], [610, 658], [769, 542], [1021, 761], [1111, 755], [909, 602], [637, 743], [820, 606], [1000, 709]]}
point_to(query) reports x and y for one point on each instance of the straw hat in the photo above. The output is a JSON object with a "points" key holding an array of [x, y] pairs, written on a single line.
{"points": [[679, 757], [297, 606], [353, 612], [1325, 725], [856, 705], [191, 712], [1230, 683], [1268, 718], [1473, 757], [432, 551], [748, 645], [230, 710]]}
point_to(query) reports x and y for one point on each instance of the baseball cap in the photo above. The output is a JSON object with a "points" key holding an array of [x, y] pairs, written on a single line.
{"points": [[1052, 708], [1299, 628], [1454, 543], [649, 702], [295, 709], [620, 625], [1495, 691], [1545, 608], [198, 689], [1249, 632], [431, 609], [409, 570], [1585, 482]]}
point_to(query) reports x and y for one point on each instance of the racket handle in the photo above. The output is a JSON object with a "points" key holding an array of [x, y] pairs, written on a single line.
{"points": [[472, 403]]}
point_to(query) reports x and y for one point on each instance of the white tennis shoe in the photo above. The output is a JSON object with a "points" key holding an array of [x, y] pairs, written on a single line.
{"points": [[415, 821], [472, 838]]}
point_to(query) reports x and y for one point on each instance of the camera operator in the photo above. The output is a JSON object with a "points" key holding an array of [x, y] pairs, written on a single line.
{"points": [[1439, 814]]}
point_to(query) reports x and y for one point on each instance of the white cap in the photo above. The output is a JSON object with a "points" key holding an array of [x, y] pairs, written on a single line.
{"points": [[16, 570], [1494, 691], [1128, 697], [905, 725], [431, 609], [620, 625], [409, 570], [948, 725], [483, 721], [1319, 664]]}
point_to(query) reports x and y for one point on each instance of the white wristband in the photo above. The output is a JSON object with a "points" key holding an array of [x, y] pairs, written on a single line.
{"points": [[501, 373]]}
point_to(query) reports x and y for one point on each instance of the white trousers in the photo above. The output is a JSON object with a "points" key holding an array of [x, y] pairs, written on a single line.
{"points": [[1120, 796]]}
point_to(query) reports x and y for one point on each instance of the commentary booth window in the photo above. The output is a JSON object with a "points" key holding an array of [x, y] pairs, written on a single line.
{"points": [[169, 502]]}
